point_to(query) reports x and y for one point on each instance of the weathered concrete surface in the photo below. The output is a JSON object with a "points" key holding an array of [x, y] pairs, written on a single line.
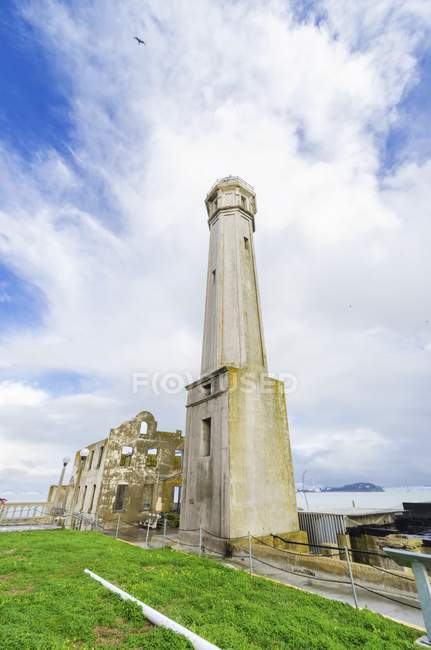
{"points": [[334, 568], [238, 464], [57, 497], [246, 482], [299, 536], [233, 331]]}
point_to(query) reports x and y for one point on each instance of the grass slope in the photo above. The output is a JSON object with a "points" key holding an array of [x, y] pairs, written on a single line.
{"points": [[46, 601]]}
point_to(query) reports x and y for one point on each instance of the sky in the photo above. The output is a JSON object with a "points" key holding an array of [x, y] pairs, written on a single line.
{"points": [[107, 150]]}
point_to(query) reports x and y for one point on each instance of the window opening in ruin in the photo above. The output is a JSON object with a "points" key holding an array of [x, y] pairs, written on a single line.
{"points": [[176, 498], [120, 498], [152, 457], [147, 496], [83, 498], [90, 507], [99, 460], [207, 388], [246, 243], [126, 456], [90, 462], [206, 437], [178, 462], [143, 429]]}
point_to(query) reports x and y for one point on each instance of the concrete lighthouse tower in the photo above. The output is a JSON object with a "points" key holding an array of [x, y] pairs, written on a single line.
{"points": [[238, 475]]}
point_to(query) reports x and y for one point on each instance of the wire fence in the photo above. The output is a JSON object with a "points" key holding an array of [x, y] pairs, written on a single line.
{"points": [[82, 521], [347, 552], [205, 542]]}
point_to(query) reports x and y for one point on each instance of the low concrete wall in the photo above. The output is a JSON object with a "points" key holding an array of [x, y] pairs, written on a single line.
{"points": [[27, 521], [333, 567]]}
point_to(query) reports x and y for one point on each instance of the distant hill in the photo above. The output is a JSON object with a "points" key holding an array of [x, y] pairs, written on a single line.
{"points": [[355, 487]]}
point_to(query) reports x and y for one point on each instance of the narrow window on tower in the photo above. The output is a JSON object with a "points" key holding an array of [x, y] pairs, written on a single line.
{"points": [[246, 243], [206, 437], [214, 276], [243, 202]]}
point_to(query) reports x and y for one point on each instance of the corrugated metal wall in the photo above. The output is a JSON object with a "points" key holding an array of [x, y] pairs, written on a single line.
{"points": [[322, 528]]}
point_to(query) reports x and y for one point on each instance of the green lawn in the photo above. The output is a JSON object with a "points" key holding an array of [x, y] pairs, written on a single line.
{"points": [[46, 601]]}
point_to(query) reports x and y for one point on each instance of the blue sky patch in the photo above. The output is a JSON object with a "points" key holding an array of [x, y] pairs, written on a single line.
{"points": [[309, 10], [21, 303], [35, 113], [65, 382], [409, 139], [34, 107]]}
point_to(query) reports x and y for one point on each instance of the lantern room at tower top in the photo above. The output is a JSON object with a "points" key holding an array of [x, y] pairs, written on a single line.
{"points": [[231, 192]]}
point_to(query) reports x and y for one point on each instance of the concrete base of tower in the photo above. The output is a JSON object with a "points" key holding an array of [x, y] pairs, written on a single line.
{"points": [[238, 465]]}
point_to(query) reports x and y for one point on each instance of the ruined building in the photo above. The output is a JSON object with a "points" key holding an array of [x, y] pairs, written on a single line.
{"points": [[238, 466], [135, 471]]}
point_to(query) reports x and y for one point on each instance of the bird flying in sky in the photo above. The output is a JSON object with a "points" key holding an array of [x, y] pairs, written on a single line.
{"points": [[140, 41]]}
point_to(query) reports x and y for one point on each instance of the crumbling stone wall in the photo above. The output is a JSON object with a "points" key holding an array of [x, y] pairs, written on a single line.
{"points": [[132, 472]]}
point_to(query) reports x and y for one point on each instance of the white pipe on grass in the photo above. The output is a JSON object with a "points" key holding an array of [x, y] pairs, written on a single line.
{"points": [[156, 617]]}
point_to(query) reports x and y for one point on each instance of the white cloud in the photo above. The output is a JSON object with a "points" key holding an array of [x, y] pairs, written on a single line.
{"points": [[14, 393], [341, 452], [117, 242]]}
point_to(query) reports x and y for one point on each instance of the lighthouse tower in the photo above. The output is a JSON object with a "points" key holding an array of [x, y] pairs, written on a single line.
{"points": [[238, 475]]}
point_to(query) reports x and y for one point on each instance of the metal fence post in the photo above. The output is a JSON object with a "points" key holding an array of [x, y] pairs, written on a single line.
{"points": [[118, 526], [147, 533], [165, 523], [349, 565], [200, 540], [250, 557]]}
